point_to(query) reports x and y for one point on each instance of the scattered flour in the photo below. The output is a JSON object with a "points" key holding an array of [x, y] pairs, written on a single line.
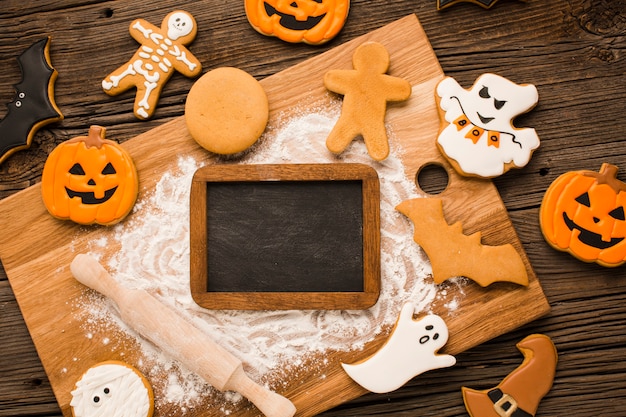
{"points": [[154, 255]]}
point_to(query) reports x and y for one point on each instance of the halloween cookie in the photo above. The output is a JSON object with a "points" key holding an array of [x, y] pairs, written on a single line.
{"points": [[162, 52], [521, 391], [226, 110], [453, 253], [33, 105], [477, 135], [366, 89], [410, 351], [583, 213], [89, 179], [112, 389], [310, 21], [487, 4]]}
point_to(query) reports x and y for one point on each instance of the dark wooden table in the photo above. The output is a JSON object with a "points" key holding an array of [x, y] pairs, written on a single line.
{"points": [[574, 51]]}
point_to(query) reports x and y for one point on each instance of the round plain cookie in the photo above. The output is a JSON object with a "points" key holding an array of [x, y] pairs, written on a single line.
{"points": [[226, 111], [113, 389]]}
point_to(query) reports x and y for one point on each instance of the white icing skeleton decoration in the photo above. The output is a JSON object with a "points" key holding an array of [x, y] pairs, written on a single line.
{"points": [[479, 138], [111, 390], [161, 53], [410, 351]]}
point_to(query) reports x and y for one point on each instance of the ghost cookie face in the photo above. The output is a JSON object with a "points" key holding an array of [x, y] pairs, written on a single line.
{"points": [[112, 389], [477, 135], [410, 351]]}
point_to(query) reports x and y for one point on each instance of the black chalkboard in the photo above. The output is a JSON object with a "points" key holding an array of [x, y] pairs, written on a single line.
{"points": [[285, 236]]}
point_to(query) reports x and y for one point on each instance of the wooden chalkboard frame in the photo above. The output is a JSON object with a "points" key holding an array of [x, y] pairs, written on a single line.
{"points": [[284, 300]]}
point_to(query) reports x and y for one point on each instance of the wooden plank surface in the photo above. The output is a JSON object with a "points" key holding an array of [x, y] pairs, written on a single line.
{"points": [[573, 52]]}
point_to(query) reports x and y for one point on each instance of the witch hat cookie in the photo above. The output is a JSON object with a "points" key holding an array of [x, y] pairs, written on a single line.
{"points": [[518, 394]]}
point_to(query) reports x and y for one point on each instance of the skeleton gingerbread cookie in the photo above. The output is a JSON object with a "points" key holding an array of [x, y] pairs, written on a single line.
{"points": [[410, 351], [477, 135], [161, 53]]}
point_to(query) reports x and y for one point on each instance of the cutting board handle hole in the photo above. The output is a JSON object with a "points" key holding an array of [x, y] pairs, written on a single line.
{"points": [[432, 178]]}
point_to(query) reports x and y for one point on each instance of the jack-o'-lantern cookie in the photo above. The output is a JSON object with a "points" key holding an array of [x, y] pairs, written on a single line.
{"points": [[112, 389], [89, 179], [309, 21], [583, 213], [477, 135]]}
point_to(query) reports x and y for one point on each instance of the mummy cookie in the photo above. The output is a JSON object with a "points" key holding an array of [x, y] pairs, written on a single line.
{"points": [[584, 213], [310, 21], [162, 52], [112, 389], [521, 391], [89, 179], [226, 111], [477, 134], [410, 351], [366, 89]]}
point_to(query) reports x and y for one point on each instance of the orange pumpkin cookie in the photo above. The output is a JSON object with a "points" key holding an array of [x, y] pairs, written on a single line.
{"points": [[583, 213], [309, 21], [162, 53], [89, 179], [519, 394], [226, 111], [366, 90], [453, 253], [112, 389]]}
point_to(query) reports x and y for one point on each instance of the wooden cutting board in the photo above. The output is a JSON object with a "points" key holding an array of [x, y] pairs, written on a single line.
{"points": [[36, 249]]}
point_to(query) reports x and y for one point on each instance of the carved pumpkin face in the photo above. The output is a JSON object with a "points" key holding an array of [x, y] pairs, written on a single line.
{"points": [[89, 179], [583, 213], [309, 21]]}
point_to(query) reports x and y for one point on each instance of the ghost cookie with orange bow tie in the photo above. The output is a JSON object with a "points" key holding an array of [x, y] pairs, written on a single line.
{"points": [[477, 134]]}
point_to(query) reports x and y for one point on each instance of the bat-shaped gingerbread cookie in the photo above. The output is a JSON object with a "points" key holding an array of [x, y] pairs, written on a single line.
{"points": [[454, 254], [33, 105]]}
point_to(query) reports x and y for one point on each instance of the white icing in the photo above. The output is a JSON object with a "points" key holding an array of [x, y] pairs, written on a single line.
{"points": [[503, 101], [410, 351], [111, 390], [179, 24]]}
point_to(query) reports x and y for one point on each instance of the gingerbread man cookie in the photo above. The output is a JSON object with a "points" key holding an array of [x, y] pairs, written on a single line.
{"points": [[161, 53], [410, 351], [366, 90], [477, 134]]}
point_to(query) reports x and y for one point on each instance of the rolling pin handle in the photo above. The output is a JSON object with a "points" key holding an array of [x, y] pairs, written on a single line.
{"points": [[270, 403]]}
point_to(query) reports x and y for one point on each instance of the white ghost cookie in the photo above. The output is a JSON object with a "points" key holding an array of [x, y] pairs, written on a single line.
{"points": [[477, 135], [112, 389], [410, 351]]}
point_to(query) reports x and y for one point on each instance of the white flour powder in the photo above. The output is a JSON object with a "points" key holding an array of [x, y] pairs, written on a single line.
{"points": [[274, 345]]}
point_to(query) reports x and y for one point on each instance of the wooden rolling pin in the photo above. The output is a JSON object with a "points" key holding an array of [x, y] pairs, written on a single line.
{"points": [[178, 338]]}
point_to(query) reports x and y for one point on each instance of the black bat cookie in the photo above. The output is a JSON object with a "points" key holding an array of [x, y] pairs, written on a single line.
{"points": [[442, 4], [33, 105]]}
